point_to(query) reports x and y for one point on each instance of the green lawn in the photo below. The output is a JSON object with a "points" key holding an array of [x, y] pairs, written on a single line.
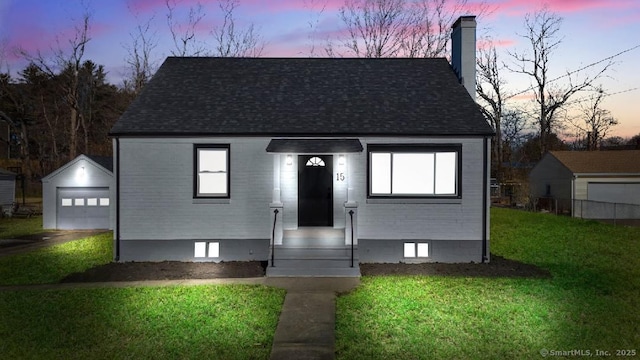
{"points": [[178, 322], [191, 322], [591, 303], [14, 227], [51, 264]]}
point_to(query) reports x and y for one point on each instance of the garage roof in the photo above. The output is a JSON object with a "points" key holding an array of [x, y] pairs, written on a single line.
{"points": [[600, 162], [99, 161]]}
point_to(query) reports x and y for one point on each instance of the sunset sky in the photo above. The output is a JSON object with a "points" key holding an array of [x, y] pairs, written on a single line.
{"points": [[592, 30]]}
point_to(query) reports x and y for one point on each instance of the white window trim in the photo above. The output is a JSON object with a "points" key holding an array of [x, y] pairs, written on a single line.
{"points": [[196, 171], [434, 149]]}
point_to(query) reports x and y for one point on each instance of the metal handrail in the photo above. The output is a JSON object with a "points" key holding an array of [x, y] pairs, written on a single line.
{"points": [[273, 237], [351, 216]]}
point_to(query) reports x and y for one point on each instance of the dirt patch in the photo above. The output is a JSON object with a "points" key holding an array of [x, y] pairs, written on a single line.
{"points": [[498, 267], [175, 270]]}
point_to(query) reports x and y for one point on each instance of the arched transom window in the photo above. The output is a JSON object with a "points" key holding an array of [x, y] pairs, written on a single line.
{"points": [[315, 161]]}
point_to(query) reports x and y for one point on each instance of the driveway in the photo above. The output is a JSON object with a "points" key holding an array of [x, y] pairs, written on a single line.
{"points": [[27, 243]]}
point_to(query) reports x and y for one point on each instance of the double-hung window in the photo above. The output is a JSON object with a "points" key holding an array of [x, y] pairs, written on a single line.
{"points": [[211, 171], [414, 170]]}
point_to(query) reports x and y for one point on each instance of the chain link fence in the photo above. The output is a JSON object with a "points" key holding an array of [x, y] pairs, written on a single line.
{"points": [[616, 213]]}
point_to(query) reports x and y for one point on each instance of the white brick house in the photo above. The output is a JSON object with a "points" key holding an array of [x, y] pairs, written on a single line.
{"points": [[224, 159]]}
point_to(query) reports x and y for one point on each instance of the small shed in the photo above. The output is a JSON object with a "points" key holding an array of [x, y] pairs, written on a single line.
{"points": [[79, 195], [7, 190]]}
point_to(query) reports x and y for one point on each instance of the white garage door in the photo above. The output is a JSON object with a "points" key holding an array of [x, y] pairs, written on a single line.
{"points": [[83, 208], [623, 193]]}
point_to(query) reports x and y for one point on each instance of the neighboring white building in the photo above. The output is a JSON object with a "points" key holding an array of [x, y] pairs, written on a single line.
{"points": [[224, 159], [596, 176], [7, 190], [79, 195]]}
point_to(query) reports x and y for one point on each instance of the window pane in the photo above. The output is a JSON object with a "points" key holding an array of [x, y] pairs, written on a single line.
{"points": [[446, 173], [412, 173], [214, 249], [200, 249], [104, 201], [78, 202], [212, 160], [380, 173], [423, 250], [409, 249], [212, 183], [92, 202], [66, 202]]}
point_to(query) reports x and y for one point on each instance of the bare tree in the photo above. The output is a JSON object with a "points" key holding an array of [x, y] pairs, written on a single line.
{"points": [[429, 26], [234, 42], [542, 33], [70, 61], [317, 8], [139, 56], [490, 90], [376, 27], [400, 28], [183, 31], [594, 122], [14, 111]]}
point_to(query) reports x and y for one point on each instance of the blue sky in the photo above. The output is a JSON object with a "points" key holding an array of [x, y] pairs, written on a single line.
{"points": [[591, 30]]}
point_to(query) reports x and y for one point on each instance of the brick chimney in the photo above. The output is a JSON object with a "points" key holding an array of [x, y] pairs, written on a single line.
{"points": [[463, 52]]}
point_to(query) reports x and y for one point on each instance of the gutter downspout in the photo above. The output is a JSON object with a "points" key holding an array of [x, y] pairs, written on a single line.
{"points": [[484, 200], [117, 255]]}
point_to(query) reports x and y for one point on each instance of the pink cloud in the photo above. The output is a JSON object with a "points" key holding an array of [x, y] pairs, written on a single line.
{"points": [[519, 7], [294, 5]]}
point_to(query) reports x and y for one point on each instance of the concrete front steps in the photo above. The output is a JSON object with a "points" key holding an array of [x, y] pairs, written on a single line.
{"points": [[318, 252]]}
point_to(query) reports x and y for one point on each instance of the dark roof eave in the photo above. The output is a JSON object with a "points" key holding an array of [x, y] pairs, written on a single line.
{"points": [[303, 135]]}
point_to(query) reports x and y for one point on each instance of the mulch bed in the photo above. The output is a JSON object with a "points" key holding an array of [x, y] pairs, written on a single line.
{"points": [[498, 267], [175, 270]]}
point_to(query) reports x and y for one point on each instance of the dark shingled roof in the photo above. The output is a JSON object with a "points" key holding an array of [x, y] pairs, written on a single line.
{"points": [[303, 97], [104, 161]]}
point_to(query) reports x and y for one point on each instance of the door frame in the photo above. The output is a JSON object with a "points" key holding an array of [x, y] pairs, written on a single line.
{"points": [[328, 159]]}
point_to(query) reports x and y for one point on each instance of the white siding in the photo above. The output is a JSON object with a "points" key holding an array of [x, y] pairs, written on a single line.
{"points": [[157, 194], [438, 220], [7, 190], [156, 191]]}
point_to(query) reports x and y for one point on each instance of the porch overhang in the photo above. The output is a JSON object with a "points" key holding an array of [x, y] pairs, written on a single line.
{"points": [[314, 146]]}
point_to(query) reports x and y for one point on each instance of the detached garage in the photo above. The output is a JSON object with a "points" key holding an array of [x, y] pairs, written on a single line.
{"points": [[594, 184], [79, 195]]}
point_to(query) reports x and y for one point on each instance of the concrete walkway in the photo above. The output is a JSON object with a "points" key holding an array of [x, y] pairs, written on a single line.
{"points": [[306, 327]]}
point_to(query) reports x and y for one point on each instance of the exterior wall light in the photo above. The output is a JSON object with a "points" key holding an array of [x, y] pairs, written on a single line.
{"points": [[341, 160], [80, 173], [289, 160]]}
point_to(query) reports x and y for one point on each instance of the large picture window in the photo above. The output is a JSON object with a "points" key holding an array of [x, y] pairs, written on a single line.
{"points": [[211, 167], [414, 171]]}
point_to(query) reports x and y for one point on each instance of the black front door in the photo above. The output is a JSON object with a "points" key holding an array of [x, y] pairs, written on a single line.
{"points": [[315, 190]]}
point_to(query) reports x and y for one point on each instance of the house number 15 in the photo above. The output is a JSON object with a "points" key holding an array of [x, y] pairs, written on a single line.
{"points": [[340, 176]]}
